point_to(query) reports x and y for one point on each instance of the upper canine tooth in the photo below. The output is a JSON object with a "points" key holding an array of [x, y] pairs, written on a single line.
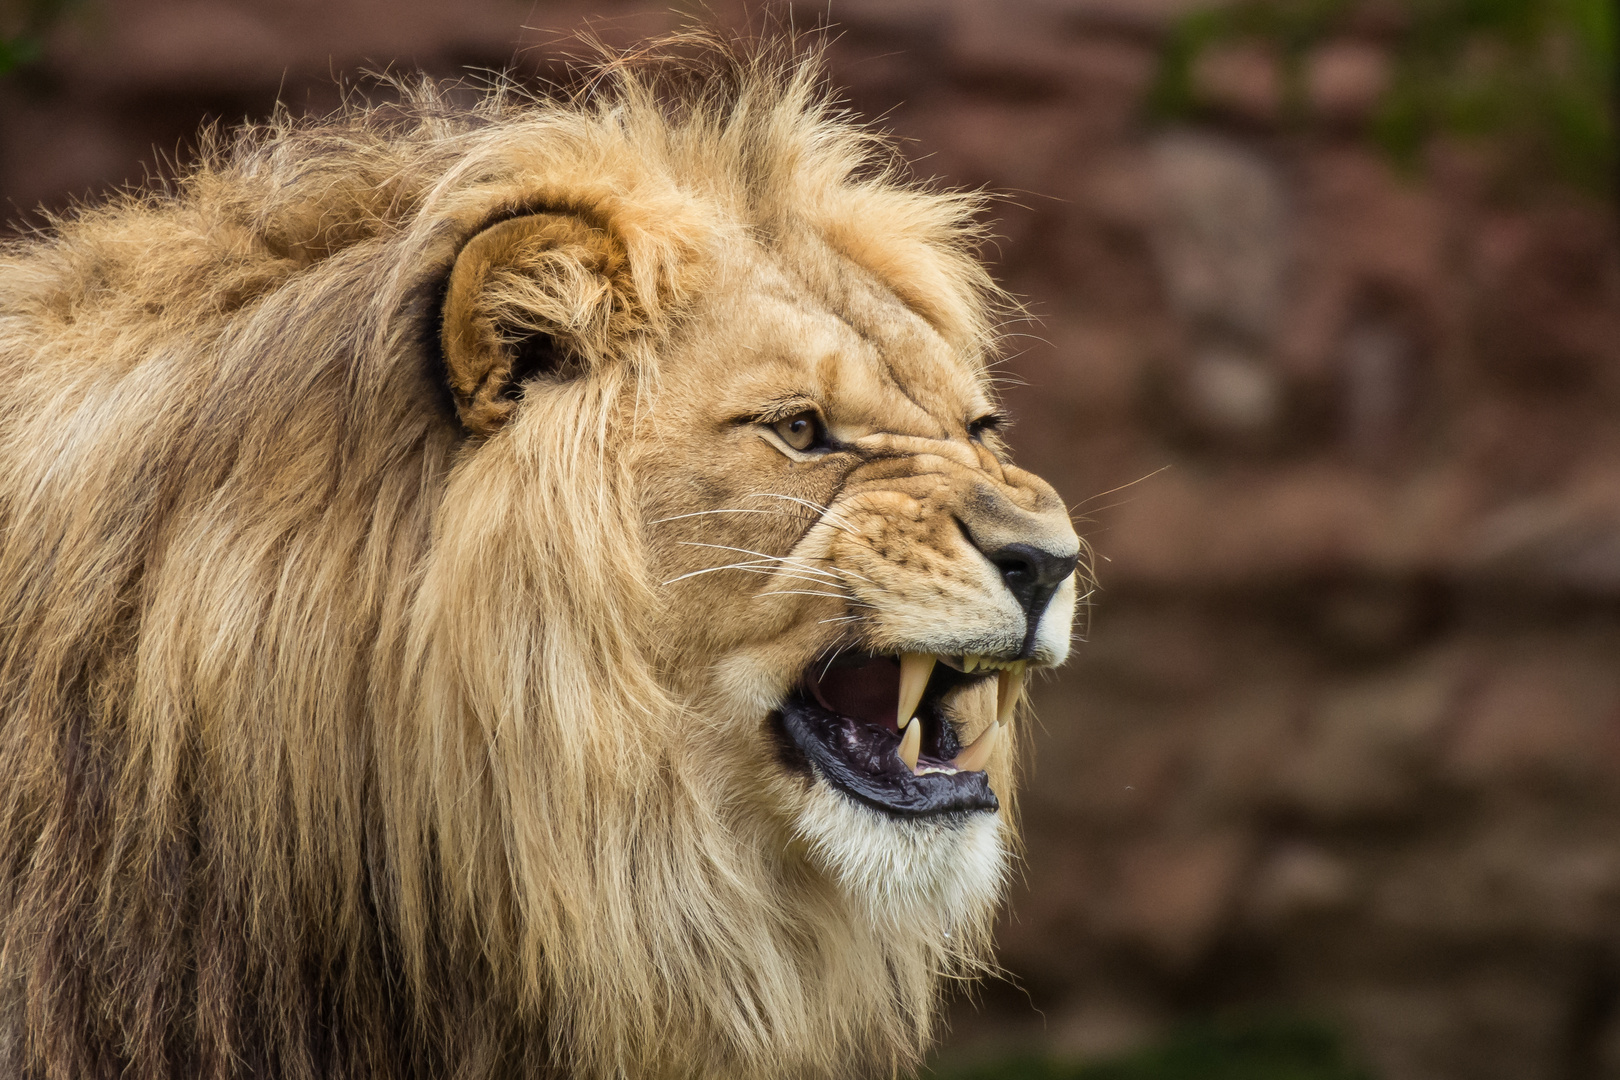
{"points": [[911, 744], [914, 671], [975, 757], [1009, 684]]}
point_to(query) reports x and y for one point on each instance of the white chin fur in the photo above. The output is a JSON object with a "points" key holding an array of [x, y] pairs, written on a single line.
{"points": [[908, 870]]}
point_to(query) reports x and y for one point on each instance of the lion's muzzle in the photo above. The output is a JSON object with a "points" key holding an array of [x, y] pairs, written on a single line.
{"points": [[1032, 556], [955, 552], [962, 572]]}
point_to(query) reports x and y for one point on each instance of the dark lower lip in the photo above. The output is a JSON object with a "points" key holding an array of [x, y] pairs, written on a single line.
{"points": [[860, 760]]}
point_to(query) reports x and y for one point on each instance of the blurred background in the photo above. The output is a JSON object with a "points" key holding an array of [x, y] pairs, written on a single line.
{"points": [[1327, 357]]}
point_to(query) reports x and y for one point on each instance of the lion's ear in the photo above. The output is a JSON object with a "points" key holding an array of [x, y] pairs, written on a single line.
{"points": [[532, 296]]}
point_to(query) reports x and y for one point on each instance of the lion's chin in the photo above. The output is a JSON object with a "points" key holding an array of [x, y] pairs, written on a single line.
{"points": [[937, 871], [912, 834]]}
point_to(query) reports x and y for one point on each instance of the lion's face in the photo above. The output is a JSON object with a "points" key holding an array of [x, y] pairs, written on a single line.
{"points": [[854, 579], [732, 599]]}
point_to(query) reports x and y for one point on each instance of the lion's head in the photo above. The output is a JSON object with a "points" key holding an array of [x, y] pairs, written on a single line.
{"points": [[527, 589]]}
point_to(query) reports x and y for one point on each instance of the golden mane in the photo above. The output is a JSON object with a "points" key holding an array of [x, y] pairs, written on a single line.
{"points": [[338, 739]]}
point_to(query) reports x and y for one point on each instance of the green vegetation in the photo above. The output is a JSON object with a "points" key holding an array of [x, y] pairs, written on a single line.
{"points": [[1537, 75], [1250, 1050]]}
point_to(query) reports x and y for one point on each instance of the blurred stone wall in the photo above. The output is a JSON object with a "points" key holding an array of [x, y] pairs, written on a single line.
{"points": [[1344, 735]]}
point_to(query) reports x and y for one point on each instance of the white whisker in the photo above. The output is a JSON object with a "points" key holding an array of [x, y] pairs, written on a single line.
{"points": [[826, 512], [838, 650], [811, 503], [850, 573], [702, 513], [785, 559], [752, 568], [699, 573]]}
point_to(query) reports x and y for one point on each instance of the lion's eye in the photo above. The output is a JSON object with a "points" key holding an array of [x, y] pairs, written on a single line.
{"points": [[802, 431], [987, 422]]}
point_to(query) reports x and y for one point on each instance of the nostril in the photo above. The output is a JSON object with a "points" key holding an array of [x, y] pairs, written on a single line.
{"points": [[1018, 570], [1026, 568]]}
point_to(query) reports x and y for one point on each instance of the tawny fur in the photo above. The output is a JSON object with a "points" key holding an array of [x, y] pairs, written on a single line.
{"points": [[349, 726]]}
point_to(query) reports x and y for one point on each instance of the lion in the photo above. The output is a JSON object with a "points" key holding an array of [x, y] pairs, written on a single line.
{"points": [[528, 588]]}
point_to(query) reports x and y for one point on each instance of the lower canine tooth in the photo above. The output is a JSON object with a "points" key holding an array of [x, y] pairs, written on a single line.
{"points": [[914, 671], [1009, 684], [911, 744], [975, 757]]}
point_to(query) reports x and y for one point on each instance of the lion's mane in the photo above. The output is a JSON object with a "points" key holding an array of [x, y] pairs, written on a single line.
{"points": [[332, 739]]}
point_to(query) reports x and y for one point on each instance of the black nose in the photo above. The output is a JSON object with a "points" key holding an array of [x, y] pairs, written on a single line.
{"points": [[1032, 575]]}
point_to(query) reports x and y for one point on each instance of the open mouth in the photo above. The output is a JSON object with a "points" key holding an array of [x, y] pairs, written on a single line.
{"points": [[878, 728]]}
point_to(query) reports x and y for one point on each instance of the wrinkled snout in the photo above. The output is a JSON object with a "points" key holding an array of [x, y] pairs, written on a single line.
{"points": [[951, 547], [1035, 550]]}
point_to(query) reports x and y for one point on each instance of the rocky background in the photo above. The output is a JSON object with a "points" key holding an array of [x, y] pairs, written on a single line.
{"points": [[1344, 734]]}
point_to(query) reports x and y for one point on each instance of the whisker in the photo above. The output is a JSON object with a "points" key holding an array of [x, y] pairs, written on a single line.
{"points": [[850, 573], [804, 560], [751, 568], [826, 512], [812, 504], [800, 592], [1122, 487], [745, 551], [837, 651], [833, 519], [756, 567], [785, 559], [789, 574], [702, 513], [708, 570]]}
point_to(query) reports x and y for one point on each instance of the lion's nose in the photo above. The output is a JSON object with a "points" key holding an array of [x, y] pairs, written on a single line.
{"points": [[1031, 574]]}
